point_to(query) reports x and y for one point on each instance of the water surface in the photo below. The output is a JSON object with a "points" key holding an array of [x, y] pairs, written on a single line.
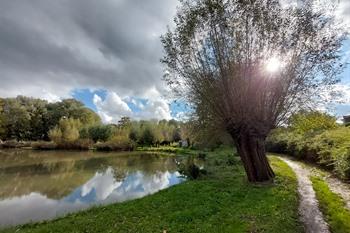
{"points": [[40, 185]]}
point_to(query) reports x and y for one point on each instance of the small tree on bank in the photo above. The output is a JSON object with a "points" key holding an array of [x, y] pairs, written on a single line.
{"points": [[245, 65]]}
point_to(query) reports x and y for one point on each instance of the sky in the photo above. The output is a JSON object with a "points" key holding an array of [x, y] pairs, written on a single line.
{"points": [[103, 53]]}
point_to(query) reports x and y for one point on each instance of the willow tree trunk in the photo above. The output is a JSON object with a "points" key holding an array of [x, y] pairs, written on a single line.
{"points": [[251, 149]]}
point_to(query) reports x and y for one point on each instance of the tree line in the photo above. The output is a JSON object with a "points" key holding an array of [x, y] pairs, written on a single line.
{"points": [[68, 124], [30, 119]]}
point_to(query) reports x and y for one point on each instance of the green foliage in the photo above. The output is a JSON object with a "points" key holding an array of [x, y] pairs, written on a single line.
{"points": [[24, 118], [55, 134], [100, 132], [67, 121], [332, 147], [319, 140], [309, 122], [154, 133], [117, 143], [332, 206], [66, 131], [148, 136]]}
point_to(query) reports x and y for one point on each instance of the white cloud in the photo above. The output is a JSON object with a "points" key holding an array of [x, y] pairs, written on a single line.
{"points": [[157, 109], [103, 183], [59, 46], [182, 116], [343, 12], [113, 107]]}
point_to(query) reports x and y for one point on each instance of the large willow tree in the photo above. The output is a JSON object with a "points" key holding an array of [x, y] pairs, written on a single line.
{"points": [[245, 65]]}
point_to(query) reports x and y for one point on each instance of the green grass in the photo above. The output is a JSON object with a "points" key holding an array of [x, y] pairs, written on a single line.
{"points": [[332, 206], [168, 149], [221, 201]]}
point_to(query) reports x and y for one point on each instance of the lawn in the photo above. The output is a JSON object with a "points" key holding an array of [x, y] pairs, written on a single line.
{"points": [[220, 201]]}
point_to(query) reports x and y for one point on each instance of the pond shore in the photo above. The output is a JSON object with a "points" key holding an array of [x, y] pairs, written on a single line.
{"points": [[221, 201]]}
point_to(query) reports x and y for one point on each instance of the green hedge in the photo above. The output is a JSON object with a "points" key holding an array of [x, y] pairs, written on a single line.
{"points": [[329, 148]]}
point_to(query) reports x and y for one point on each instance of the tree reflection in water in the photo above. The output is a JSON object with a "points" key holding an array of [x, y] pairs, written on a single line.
{"points": [[42, 185]]}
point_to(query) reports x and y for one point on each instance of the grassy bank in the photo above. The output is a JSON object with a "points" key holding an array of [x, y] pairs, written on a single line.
{"points": [[332, 206], [221, 201]]}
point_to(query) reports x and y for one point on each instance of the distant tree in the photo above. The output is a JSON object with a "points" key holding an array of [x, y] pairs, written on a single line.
{"points": [[38, 119], [124, 122], [100, 132], [177, 135], [25, 118], [147, 137], [218, 53], [55, 134], [311, 121], [134, 134], [71, 108], [17, 120], [66, 131]]}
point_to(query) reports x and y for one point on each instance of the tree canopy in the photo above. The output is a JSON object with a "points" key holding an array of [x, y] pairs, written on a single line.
{"points": [[24, 118], [217, 57]]}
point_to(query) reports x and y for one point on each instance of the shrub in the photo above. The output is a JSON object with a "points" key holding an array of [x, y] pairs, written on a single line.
{"points": [[43, 145], [147, 136], [80, 144], [329, 148], [231, 160], [342, 163], [66, 131], [55, 134], [100, 133], [117, 143]]}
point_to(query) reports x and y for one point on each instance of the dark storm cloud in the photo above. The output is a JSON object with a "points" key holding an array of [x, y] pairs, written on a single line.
{"points": [[52, 47]]}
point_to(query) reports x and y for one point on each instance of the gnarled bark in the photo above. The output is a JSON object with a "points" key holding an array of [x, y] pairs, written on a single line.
{"points": [[251, 149]]}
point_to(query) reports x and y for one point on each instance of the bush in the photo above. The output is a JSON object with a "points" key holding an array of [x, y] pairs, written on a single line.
{"points": [[117, 143], [43, 145], [100, 133], [231, 160], [67, 131], [342, 164], [329, 148], [80, 144], [147, 137]]}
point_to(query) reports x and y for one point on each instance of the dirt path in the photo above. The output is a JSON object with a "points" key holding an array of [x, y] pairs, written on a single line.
{"points": [[310, 214], [339, 188]]}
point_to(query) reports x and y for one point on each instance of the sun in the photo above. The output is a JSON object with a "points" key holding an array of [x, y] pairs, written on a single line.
{"points": [[273, 65]]}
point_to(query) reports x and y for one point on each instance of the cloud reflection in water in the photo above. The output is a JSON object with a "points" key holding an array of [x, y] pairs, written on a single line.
{"points": [[102, 188]]}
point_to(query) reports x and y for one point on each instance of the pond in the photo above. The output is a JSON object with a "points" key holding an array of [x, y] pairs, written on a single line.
{"points": [[40, 185]]}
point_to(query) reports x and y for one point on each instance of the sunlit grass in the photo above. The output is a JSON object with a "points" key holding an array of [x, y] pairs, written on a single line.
{"points": [[332, 206], [221, 201]]}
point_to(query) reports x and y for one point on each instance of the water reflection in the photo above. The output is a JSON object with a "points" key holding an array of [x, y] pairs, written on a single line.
{"points": [[38, 185]]}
